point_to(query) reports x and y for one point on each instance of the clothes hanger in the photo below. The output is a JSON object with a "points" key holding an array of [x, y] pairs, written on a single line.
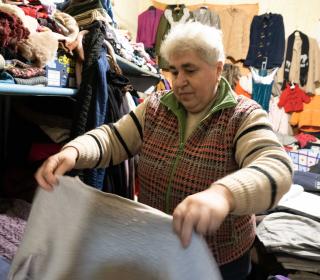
{"points": [[151, 8], [177, 8]]}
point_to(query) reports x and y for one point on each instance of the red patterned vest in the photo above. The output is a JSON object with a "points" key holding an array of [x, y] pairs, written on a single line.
{"points": [[170, 170]]}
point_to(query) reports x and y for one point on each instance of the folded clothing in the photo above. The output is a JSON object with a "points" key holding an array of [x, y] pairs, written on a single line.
{"points": [[308, 180]]}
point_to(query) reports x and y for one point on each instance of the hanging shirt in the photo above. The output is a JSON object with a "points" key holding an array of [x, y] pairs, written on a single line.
{"points": [[207, 17]]}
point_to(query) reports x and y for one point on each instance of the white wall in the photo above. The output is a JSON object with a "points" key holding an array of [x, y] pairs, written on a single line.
{"points": [[297, 14]]}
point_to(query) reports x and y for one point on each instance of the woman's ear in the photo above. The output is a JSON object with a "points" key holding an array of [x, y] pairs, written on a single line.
{"points": [[219, 69]]}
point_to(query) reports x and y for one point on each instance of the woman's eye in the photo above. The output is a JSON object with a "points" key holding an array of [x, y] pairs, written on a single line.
{"points": [[190, 71]]}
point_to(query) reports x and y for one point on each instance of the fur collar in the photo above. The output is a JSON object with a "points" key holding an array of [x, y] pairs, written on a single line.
{"points": [[183, 19]]}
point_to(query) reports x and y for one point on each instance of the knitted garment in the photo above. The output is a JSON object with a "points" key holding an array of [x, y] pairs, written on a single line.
{"points": [[206, 157], [11, 30], [18, 69], [14, 214], [40, 80]]}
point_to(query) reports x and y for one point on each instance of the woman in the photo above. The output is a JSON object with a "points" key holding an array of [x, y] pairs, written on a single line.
{"points": [[207, 156]]}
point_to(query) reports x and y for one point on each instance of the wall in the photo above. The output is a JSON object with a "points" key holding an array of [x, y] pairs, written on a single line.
{"points": [[297, 14]]}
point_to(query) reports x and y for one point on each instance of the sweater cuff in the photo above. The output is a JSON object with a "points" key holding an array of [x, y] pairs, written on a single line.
{"points": [[244, 191]]}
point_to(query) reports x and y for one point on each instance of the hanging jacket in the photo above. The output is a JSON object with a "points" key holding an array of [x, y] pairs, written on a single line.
{"points": [[266, 40], [169, 17]]}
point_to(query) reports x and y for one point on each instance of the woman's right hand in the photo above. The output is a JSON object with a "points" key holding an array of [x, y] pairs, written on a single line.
{"points": [[54, 166]]}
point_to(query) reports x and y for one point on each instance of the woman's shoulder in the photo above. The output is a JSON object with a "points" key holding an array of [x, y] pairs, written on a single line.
{"points": [[246, 102]]}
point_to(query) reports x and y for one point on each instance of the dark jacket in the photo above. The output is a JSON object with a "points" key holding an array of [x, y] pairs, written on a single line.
{"points": [[267, 39]]}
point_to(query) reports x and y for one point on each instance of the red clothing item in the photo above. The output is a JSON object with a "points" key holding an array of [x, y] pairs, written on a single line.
{"points": [[292, 99], [36, 11], [304, 139]]}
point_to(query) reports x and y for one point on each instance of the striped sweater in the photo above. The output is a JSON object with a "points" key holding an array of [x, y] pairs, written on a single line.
{"points": [[232, 145]]}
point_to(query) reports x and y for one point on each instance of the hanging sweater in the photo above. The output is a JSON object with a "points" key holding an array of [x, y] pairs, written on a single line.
{"points": [[313, 77], [233, 145], [147, 27], [235, 26]]}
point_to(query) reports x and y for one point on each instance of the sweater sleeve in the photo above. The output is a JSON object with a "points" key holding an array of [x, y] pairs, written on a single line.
{"points": [[113, 143], [265, 173]]}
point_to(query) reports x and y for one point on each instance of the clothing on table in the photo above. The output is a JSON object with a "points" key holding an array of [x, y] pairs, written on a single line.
{"points": [[304, 139], [308, 180], [95, 235], [292, 234], [228, 126]]}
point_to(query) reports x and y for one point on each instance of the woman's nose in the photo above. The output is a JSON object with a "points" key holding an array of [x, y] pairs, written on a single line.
{"points": [[181, 80]]}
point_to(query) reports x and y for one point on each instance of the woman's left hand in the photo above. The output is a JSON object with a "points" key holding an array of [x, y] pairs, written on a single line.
{"points": [[204, 211]]}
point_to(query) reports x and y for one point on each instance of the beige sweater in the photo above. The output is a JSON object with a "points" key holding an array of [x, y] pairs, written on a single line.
{"points": [[235, 26], [314, 66]]}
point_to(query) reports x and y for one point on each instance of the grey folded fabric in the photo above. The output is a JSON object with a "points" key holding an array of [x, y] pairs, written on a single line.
{"points": [[291, 234], [308, 180], [78, 232]]}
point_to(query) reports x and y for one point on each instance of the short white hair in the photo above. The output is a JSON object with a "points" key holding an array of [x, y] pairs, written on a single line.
{"points": [[206, 41]]}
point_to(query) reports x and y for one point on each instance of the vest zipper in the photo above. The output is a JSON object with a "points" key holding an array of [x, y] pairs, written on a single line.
{"points": [[173, 171]]}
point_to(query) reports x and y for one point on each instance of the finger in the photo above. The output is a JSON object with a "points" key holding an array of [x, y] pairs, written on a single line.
{"points": [[48, 170], [177, 220], [41, 181], [187, 228]]}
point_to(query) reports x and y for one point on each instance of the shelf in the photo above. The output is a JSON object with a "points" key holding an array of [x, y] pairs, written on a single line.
{"points": [[140, 79], [23, 90]]}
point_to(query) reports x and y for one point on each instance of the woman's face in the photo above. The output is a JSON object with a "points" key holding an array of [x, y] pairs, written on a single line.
{"points": [[194, 81]]}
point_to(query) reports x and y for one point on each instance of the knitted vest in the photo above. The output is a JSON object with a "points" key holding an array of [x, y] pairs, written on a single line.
{"points": [[168, 173]]}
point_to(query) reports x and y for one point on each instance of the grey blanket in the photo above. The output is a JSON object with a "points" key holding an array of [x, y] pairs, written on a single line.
{"points": [[77, 232]]}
